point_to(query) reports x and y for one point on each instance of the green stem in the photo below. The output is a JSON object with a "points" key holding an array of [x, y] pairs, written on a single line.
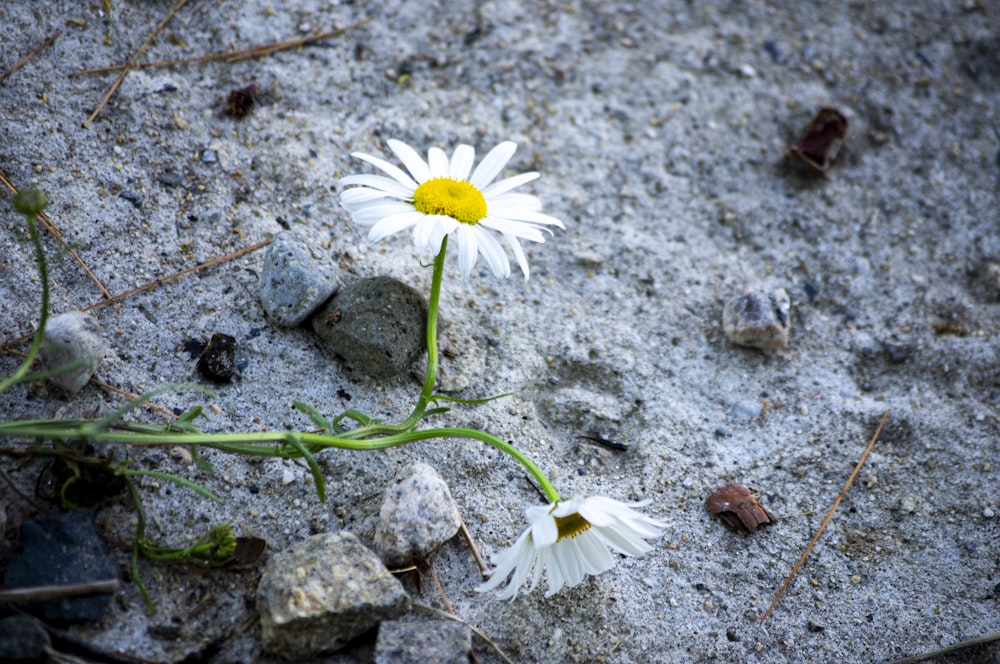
{"points": [[36, 343], [286, 444], [430, 378]]}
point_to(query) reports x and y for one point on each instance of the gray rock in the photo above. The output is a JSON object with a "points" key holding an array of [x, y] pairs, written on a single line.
{"points": [[377, 325], [73, 338], [296, 279], [441, 642], [320, 594], [758, 318], [23, 639], [57, 550], [418, 515]]}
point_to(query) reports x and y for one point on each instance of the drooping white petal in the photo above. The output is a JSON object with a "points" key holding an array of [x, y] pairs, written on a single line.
{"points": [[468, 249], [493, 252], [492, 164], [414, 163]]}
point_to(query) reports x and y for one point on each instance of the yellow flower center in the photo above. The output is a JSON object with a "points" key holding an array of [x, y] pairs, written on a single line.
{"points": [[457, 199], [571, 526]]}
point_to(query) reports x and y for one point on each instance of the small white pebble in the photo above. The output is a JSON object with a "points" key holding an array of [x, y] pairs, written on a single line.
{"points": [[989, 513], [287, 476]]}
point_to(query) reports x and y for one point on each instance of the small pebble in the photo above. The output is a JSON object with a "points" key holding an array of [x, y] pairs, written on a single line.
{"points": [[746, 409], [418, 515], [218, 361], [989, 513], [296, 279], [73, 337], [908, 505], [814, 626], [758, 319], [376, 325]]}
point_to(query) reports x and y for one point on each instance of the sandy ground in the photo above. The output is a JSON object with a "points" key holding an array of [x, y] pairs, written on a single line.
{"points": [[659, 130]]}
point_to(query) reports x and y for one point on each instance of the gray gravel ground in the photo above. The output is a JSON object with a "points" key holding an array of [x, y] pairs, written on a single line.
{"points": [[659, 129]]}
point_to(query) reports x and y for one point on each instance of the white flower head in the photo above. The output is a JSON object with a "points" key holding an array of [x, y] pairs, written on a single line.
{"points": [[439, 198], [569, 540]]}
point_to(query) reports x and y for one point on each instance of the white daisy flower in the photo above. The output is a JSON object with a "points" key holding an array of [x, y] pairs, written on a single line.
{"points": [[439, 198], [569, 540]]}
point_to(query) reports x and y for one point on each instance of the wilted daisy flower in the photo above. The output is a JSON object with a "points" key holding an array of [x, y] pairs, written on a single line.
{"points": [[439, 198], [569, 540]]}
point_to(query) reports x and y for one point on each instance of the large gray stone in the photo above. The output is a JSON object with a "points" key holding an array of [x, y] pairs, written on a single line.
{"points": [[418, 515], [377, 325], [73, 338], [323, 592], [423, 642], [297, 278]]}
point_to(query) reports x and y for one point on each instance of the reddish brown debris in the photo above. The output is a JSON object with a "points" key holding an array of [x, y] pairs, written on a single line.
{"points": [[241, 101], [819, 143], [738, 509]]}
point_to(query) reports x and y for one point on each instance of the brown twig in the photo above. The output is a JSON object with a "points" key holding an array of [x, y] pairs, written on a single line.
{"points": [[20, 63], [229, 56], [131, 61], [57, 234], [829, 515], [42, 593], [153, 284], [472, 546]]}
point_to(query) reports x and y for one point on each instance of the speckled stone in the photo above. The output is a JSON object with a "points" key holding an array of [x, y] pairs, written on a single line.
{"points": [[73, 337], [297, 278], [758, 318], [321, 593], [418, 515], [377, 325], [412, 642]]}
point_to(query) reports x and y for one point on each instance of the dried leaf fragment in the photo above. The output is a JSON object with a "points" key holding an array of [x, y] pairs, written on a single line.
{"points": [[818, 144], [738, 508]]}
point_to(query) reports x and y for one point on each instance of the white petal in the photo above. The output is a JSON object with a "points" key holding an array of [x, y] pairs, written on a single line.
{"points": [[372, 213], [429, 233], [468, 248], [555, 574], [461, 162], [507, 184], [438, 162], [492, 164], [513, 200], [595, 554], [393, 224], [380, 182], [352, 198], [413, 161], [491, 250], [632, 546], [393, 171], [521, 214], [515, 228], [522, 260], [544, 531]]}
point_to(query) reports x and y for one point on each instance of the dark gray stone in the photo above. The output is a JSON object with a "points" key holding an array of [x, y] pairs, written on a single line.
{"points": [[758, 318], [323, 592], [69, 338], [440, 642], [62, 549], [377, 325], [296, 279], [23, 640], [418, 515]]}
